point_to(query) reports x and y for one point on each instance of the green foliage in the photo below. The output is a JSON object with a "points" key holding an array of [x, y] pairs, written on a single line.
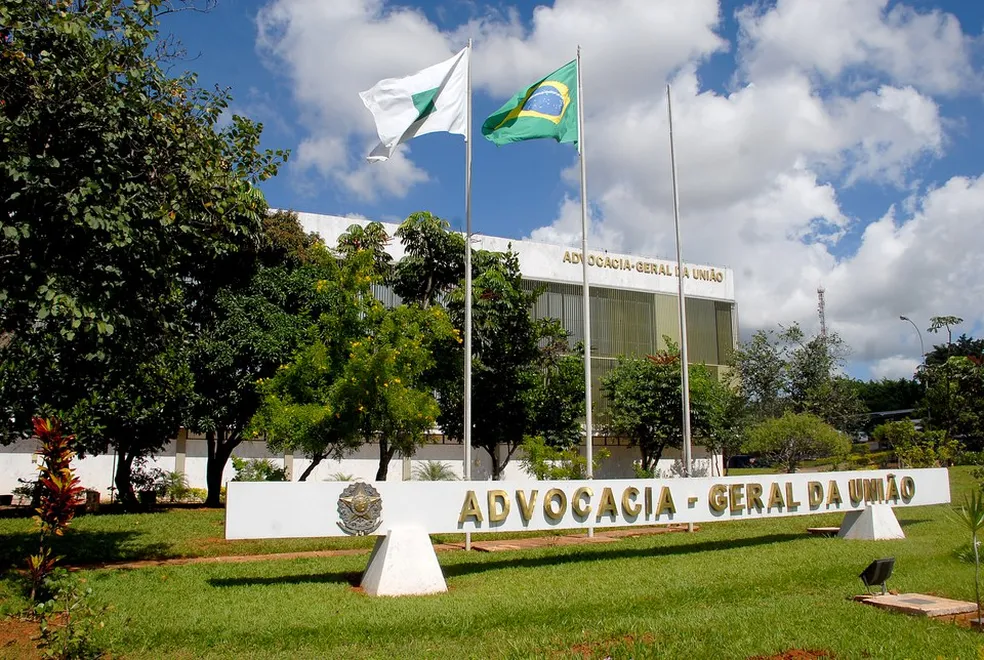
{"points": [[174, 486], [790, 439], [435, 259], [526, 376], [547, 462], [254, 327], [787, 371], [971, 517], [257, 469], [340, 476], [915, 448], [68, 621], [645, 403], [434, 471]]}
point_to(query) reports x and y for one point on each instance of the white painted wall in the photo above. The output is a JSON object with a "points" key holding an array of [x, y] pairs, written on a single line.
{"points": [[96, 472]]}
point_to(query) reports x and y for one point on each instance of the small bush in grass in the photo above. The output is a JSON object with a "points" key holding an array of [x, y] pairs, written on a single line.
{"points": [[546, 462], [257, 469], [340, 476], [67, 620]]}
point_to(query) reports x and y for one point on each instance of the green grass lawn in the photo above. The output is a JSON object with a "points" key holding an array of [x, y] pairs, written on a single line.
{"points": [[731, 590]]}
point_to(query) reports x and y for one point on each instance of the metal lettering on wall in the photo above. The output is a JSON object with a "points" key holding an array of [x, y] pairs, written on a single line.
{"points": [[642, 266], [282, 510]]}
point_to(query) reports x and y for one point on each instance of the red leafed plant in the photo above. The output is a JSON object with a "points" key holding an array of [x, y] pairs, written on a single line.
{"points": [[59, 488]]}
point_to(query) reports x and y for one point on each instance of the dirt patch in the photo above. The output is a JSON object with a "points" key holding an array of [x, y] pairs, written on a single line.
{"points": [[795, 654], [17, 639], [605, 648]]}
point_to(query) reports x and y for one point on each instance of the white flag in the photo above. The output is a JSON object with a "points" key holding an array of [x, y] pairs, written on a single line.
{"points": [[430, 101]]}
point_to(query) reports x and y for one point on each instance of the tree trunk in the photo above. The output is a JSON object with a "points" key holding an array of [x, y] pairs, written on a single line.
{"points": [[124, 489], [315, 461], [496, 466], [219, 450], [385, 455]]}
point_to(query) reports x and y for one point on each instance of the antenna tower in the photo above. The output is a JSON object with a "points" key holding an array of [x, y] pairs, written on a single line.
{"points": [[821, 313]]}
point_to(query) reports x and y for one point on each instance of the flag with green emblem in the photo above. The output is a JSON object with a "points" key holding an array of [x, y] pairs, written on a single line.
{"points": [[545, 109], [430, 101]]}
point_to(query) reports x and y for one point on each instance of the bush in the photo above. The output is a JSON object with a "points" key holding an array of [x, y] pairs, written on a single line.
{"points": [[546, 462], [434, 471], [67, 620], [257, 469]]}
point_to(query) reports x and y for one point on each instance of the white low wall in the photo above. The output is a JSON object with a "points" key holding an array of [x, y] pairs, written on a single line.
{"points": [[96, 472]]}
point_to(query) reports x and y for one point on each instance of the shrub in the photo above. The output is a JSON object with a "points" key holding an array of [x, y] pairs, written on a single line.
{"points": [[546, 462], [340, 476], [257, 469], [67, 620], [59, 487], [434, 471]]}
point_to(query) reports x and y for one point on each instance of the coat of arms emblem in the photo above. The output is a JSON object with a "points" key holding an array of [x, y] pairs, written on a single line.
{"points": [[359, 509]]}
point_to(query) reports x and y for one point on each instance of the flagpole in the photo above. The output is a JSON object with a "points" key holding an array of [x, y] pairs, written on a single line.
{"points": [[467, 434], [588, 426], [684, 370]]}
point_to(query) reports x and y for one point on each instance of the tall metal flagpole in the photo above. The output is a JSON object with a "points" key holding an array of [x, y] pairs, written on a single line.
{"points": [[588, 427], [467, 430], [684, 371]]}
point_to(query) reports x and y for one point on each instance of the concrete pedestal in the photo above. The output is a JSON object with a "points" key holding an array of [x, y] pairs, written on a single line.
{"points": [[875, 522], [403, 563]]}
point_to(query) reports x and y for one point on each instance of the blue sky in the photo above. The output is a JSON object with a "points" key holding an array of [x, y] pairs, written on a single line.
{"points": [[829, 143]]}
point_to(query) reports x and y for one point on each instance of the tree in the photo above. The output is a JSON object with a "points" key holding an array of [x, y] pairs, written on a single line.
{"points": [[434, 263], [644, 399], [362, 377], [787, 371], [938, 375], [525, 377], [795, 437], [252, 328], [121, 198], [889, 394]]}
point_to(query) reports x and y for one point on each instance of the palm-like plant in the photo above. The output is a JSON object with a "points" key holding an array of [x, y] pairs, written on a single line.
{"points": [[971, 516], [434, 471]]}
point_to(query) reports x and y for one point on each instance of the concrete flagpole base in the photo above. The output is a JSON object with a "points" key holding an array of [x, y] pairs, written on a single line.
{"points": [[403, 563], [875, 522]]}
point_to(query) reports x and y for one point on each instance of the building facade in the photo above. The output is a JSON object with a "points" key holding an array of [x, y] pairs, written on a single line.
{"points": [[634, 311]]}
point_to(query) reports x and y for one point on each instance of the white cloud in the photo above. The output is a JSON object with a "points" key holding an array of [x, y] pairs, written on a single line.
{"points": [[330, 51], [835, 38], [894, 367]]}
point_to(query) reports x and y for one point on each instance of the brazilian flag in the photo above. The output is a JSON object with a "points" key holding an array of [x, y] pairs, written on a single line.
{"points": [[546, 109]]}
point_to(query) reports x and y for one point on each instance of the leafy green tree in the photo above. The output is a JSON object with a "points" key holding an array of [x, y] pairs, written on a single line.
{"points": [[889, 394], [795, 437], [253, 327], [434, 263], [120, 203], [528, 381], [788, 371], [644, 398], [362, 377], [381, 384]]}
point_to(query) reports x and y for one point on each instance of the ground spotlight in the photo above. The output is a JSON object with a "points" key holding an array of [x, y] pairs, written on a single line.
{"points": [[878, 573]]}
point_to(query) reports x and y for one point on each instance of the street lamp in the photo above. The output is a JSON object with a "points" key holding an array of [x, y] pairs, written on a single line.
{"points": [[922, 350], [922, 347]]}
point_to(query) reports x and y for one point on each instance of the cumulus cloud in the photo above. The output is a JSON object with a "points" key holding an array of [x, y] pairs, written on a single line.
{"points": [[311, 42], [859, 39]]}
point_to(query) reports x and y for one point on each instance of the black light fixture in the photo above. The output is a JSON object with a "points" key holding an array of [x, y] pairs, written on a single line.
{"points": [[878, 573]]}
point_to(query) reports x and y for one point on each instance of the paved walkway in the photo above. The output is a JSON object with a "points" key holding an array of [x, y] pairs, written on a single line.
{"points": [[478, 545]]}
